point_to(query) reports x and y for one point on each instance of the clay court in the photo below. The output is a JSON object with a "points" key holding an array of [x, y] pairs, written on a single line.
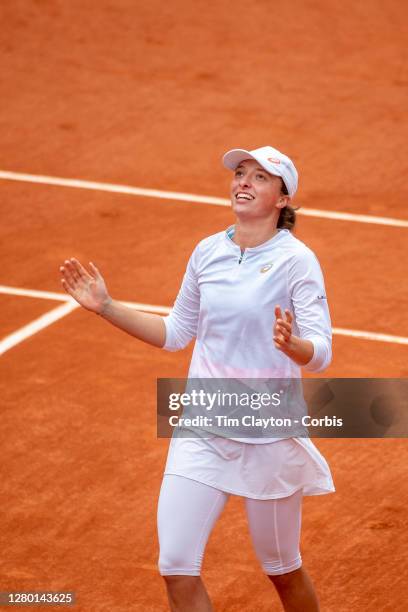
{"points": [[149, 95]]}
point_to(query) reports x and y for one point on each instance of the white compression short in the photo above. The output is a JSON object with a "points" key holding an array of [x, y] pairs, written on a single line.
{"points": [[188, 511]]}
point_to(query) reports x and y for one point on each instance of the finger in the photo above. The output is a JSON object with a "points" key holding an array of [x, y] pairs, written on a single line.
{"points": [[280, 329], [289, 316], [284, 325], [67, 286], [283, 332], [94, 270], [279, 342], [83, 273], [66, 277], [70, 268], [278, 312], [66, 272]]}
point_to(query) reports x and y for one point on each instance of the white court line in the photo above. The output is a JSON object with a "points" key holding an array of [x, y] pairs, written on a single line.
{"points": [[64, 297], [53, 315], [340, 216], [37, 325], [44, 295], [364, 335], [187, 197], [70, 305], [148, 307]]}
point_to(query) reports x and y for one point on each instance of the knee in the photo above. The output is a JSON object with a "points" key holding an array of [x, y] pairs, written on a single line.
{"points": [[180, 582], [281, 566], [174, 566], [283, 581], [280, 556]]}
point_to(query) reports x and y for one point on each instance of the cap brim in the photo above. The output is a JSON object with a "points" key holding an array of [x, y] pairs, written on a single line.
{"points": [[234, 157]]}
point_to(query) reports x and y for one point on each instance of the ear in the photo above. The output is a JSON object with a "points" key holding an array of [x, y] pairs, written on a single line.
{"points": [[283, 201]]}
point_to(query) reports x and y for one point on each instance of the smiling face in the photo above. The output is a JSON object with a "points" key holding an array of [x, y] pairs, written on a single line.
{"points": [[255, 193]]}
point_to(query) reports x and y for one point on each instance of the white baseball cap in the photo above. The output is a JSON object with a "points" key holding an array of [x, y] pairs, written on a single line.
{"points": [[272, 160]]}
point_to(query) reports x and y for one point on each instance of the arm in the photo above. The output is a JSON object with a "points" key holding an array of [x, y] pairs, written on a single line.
{"points": [[145, 326], [312, 348], [299, 350], [89, 290], [182, 322]]}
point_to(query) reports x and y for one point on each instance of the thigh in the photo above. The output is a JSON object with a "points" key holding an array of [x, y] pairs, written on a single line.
{"points": [[186, 514], [275, 526]]}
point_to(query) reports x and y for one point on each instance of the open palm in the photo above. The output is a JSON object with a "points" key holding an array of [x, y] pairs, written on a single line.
{"points": [[87, 288]]}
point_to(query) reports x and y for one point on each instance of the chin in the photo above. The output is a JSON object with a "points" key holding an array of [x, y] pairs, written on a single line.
{"points": [[244, 210], [241, 209]]}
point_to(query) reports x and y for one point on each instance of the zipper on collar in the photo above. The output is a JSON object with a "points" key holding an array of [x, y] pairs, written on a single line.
{"points": [[241, 258]]}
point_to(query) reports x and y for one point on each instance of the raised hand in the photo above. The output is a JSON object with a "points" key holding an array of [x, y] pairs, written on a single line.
{"points": [[87, 288], [282, 331]]}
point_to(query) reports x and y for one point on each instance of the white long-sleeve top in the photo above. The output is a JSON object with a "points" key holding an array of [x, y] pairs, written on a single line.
{"points": [[227, 302]]}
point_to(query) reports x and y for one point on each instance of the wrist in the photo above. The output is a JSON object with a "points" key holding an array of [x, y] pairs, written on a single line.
{"points": [[300, 350], [105, 307]]}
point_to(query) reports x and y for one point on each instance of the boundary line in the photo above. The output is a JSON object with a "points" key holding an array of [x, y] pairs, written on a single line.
{"points": [[187, 197], [366, 335], [64, 297], [70, 305], [37, 325], [44, 295]]}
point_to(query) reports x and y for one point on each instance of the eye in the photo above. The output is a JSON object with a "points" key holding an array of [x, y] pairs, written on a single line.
{"points": [[261, 176], [238, 173]]}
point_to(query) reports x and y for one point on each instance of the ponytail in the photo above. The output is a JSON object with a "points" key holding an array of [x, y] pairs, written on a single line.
{"points": [[287, 217]]}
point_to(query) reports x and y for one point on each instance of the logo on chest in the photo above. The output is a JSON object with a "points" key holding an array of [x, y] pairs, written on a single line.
{"points": [[266, 267]]}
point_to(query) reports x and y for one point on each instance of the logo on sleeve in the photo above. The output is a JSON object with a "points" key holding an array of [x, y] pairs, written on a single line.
{"points": [[266, 267]]}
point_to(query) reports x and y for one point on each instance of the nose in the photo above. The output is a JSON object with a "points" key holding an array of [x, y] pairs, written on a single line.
{"points": [[244, 181]]}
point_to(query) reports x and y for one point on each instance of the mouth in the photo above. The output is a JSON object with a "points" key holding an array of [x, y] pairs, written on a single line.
{"points": [[243, 196]]}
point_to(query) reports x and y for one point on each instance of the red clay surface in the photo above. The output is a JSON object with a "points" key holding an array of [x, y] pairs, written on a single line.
{"points": [[152, 94]]}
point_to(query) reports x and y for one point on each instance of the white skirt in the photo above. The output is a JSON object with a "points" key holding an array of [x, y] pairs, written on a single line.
{"points": [[258, 471]]}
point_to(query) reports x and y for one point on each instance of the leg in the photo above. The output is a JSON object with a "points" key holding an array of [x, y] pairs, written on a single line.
{"points": [[186, 593], [296, 591], [187, 513], [275, 530]]}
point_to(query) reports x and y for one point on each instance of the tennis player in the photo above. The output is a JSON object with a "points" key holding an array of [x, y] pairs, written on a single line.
{"points": [[253, 297]]}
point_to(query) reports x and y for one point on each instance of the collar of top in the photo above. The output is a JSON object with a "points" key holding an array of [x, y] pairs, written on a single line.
{"points": [[230, 232]]}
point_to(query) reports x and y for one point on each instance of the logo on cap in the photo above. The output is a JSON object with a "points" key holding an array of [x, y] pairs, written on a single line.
{"points": [[274, 160]]}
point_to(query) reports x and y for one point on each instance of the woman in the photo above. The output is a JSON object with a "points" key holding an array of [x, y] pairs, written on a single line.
{"points": [[231, 301]]}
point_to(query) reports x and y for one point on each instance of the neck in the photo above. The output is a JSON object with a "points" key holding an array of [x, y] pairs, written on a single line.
{"points": [[255, 232]]}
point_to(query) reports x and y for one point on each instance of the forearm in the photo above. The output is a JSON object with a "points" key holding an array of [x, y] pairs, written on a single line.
{"points": [[145, 326], [299, 350]]}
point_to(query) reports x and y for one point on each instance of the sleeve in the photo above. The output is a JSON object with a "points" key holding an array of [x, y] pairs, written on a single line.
{"points": [[308, 295], [181, 324]]}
